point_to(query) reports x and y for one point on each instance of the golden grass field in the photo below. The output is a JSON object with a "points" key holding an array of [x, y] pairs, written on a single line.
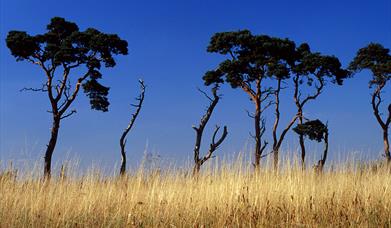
{"points": [[230, 196]]}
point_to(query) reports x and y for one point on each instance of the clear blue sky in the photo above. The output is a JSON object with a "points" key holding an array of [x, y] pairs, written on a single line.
{"points": [[167, 43]]}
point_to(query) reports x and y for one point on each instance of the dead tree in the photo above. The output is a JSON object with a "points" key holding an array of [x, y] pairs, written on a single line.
{"points": [[122, 141], [315, 130], [199, 161]]}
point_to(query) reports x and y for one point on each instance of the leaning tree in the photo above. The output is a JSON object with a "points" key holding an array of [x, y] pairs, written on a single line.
{"points": [[200, 160], [311, 72], [122, 140], [318, 131], [251, 59], [64, 52], [377, 59]]}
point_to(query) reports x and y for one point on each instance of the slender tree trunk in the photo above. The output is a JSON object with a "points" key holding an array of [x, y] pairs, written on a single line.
{"points": [[123, 160], [196, 169], [197, 146], [51, 145], [386, 146], [122, 141], [301, 141], [257, 123], [322, 162], [276, 146]]}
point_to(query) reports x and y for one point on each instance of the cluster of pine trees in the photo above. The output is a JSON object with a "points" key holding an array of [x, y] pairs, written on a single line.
{"points": [[250, 61]]}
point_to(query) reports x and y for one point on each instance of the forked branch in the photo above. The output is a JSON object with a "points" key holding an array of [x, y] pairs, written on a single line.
{"points": [[198, 161]]}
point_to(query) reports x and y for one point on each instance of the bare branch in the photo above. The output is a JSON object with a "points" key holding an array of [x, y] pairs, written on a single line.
{"points": [[319, 89], [42, 89], [267, 106], [205, 94], [68, 115], [214, 145], [249, 114], [69, 101]]}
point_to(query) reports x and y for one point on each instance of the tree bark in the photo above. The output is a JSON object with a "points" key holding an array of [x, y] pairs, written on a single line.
{"points": [[51, 145], [301, 141], [196, 168], [123, 160], [199, 161], [257, 122], [322, 162]]}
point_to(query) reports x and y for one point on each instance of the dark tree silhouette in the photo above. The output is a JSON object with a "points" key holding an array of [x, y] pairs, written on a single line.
{"points": [[122, 141], [198, 161], [315, 130], [251, 60], [65, 48], [312, 71], [377, 59]]}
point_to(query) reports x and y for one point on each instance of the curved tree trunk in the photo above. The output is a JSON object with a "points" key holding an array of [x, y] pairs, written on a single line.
{"points": [[50, 147], [122, 141]]}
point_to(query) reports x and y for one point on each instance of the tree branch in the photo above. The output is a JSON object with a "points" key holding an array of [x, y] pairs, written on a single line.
{"points": [[376, 100], [214, 145], [69, 101], [43, 89], [68, 115]]}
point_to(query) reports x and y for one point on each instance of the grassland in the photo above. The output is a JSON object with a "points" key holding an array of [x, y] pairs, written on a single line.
{"points": [[231, 196]]}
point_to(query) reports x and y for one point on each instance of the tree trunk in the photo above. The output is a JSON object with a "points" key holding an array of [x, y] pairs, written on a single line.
{"points": [[50, 147], [386, 146], [301, 141], [257, 123], [322, 162], [196, 169], [123, 160]]}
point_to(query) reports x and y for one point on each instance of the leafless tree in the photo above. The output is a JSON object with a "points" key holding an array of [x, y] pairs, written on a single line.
{"points": [[199, 161], [122, 141]]}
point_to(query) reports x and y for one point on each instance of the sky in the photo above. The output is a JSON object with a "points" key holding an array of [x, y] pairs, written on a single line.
{"points": [[167, 49]]}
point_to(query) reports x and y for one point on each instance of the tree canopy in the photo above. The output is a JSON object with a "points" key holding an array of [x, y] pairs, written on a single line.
{"points": [[252, 57], [64, 45], [314, 129], [377, 59]]}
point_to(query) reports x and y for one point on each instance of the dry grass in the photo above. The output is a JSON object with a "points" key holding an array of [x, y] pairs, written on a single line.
{"points": [[228, 197]]}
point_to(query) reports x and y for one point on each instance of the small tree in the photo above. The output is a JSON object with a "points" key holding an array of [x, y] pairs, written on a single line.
{"points": [[314, 70], [251, 59], [65, 48], [377, 59], [122, 141], [198, 161], [315, 130]]}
